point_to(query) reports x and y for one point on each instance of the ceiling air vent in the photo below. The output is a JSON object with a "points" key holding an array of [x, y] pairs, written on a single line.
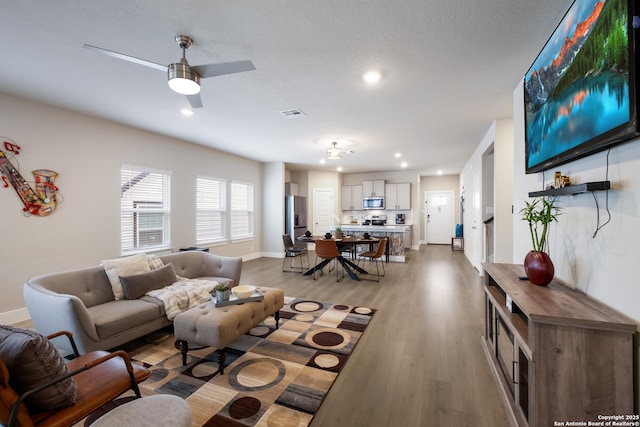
{"points": [[292, 113]]}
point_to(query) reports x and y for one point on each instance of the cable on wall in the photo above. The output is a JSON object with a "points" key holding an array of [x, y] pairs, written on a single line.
{"points": [[606, 195]]}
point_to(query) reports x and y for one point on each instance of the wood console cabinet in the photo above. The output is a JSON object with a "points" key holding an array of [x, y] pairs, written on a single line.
{"points": [[557, 355]]}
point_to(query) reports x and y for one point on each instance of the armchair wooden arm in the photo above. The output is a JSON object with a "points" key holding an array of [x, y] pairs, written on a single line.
{"points": [[69, 335]]}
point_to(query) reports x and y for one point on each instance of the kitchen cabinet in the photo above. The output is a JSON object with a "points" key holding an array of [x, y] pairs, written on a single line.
{"points": [[373, 188], [291, 189], [398, 196], [408, 235], [556, 353], [351, 197]]}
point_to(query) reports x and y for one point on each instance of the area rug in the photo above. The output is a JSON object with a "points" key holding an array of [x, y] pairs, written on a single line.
{"points": [[274, 377]]}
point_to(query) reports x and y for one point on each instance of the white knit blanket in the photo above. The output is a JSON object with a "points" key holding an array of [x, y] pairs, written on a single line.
{"points": [[183, 295]]}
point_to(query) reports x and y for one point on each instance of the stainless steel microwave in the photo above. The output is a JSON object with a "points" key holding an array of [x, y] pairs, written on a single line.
{"points": [[373, 203]]}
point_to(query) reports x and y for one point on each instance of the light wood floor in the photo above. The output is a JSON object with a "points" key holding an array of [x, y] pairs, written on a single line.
{"points": [[420, 362]]}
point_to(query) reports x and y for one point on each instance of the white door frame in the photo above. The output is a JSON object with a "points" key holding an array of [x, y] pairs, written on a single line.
{"points": [[451, 196], [318, 194]]}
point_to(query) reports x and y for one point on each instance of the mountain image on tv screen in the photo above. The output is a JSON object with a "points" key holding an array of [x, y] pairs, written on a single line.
{"points": [[578, 87]]}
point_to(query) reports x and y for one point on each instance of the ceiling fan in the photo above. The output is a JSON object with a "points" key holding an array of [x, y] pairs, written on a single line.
{"points": [[336, 152], [184, 78]]}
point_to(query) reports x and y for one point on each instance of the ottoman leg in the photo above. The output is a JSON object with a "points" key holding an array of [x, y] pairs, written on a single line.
{"points": [[183, 346], [276, 316], [221, 358]]}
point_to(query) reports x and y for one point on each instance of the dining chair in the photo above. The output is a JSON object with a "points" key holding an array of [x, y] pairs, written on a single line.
{"points": [[328, 250], [375, 256], [292, 251]]}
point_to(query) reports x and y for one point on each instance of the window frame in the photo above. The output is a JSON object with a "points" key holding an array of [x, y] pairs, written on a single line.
{"points": [[248, 210], [130, 210], [222, 211]]}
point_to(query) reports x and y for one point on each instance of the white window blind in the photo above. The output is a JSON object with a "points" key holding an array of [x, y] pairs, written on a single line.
{"points": [[210, 209], [241, 210], [144, 209]]}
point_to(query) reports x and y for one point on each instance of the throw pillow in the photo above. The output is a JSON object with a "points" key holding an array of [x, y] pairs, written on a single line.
{"points": [[154, 261], [124, 267], [33, 360], [135, 286]]}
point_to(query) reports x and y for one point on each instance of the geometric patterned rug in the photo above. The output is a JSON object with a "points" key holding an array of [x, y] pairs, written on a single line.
{"points": [[273, 377]]}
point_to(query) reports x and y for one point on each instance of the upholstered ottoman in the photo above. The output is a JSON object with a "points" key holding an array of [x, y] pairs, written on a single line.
{"points": [[152, 411], [209, 326]]}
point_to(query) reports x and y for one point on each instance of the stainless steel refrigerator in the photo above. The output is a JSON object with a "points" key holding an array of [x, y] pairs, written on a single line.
{"points": [[295, 217]]}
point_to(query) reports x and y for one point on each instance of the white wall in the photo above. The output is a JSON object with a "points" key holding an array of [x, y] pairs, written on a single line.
{"points": [[604, 267], [498, 138], [273, 179], [502, 190], [88, 154]]}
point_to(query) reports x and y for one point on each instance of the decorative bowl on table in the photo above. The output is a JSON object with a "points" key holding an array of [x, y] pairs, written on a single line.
{"points": [[366, 235], [243, 291]]}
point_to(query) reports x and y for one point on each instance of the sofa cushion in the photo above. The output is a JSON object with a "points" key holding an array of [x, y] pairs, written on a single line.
{"points": [[33, 360], [116, 317], [126, 266], [223, 280], [135, 286]]}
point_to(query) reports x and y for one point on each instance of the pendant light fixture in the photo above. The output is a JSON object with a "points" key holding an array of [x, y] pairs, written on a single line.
{"points": [[334, 152]]}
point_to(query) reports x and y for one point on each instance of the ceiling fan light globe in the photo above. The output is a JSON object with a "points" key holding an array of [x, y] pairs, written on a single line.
{"points": [[183, 80], [334, 153]]}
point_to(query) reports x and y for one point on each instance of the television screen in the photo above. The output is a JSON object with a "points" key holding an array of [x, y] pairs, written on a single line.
{"points": [[579, 93]]}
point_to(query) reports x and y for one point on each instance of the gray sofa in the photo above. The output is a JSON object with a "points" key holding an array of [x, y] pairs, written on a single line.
{"points": [[82, 301]]}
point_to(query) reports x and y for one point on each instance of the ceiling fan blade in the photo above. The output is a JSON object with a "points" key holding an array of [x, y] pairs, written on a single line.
{"points": [[212, 70], [126, 57], [195, 100]]}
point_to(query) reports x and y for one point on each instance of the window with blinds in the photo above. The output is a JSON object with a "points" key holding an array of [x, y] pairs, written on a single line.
{"points": [[210, 210], [144, 209], [241, 210]]}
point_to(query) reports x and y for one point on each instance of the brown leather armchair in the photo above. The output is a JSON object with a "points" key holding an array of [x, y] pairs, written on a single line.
{"points": [[99, 376]]}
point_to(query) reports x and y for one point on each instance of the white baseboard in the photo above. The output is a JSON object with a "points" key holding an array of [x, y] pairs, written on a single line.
{"points": [[273, 254], [254, 255], [14, 316]]}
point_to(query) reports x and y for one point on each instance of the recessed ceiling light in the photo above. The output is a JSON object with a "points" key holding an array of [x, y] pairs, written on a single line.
{"points": [[404, 164], [372, 77], [439, 172], [398, 155], [339, 169], [323, 161], [186, 112]]}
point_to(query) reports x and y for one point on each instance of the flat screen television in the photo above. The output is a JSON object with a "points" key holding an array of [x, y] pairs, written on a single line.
{"points": [[580, 94]]}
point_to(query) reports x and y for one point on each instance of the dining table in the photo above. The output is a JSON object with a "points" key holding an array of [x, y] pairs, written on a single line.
{"points": [[350, 267]]}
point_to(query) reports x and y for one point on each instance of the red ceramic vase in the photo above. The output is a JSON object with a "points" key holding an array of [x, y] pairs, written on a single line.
{"points": [[539, 268]]}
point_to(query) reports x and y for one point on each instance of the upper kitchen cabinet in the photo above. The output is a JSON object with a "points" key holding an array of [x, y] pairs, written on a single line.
{"points": [[373, 188], [291, 189], [398, 196], [351, 197]]}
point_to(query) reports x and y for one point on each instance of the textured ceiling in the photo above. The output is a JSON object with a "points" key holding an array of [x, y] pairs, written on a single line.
{"points": [[449, 69]]}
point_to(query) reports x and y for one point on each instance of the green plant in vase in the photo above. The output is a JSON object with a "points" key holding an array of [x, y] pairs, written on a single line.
{"points": [[223, 293], [539, 213]]}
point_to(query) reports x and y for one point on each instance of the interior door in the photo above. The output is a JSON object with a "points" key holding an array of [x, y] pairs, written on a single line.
{"points": [[322, 211], [439, 217]]}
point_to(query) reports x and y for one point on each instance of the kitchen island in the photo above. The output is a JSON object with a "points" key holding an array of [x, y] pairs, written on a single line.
{"points": [[395, 234]]}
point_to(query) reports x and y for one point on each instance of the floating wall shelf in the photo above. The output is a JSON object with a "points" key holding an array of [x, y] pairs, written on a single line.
{"points": [[573, 189]]}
